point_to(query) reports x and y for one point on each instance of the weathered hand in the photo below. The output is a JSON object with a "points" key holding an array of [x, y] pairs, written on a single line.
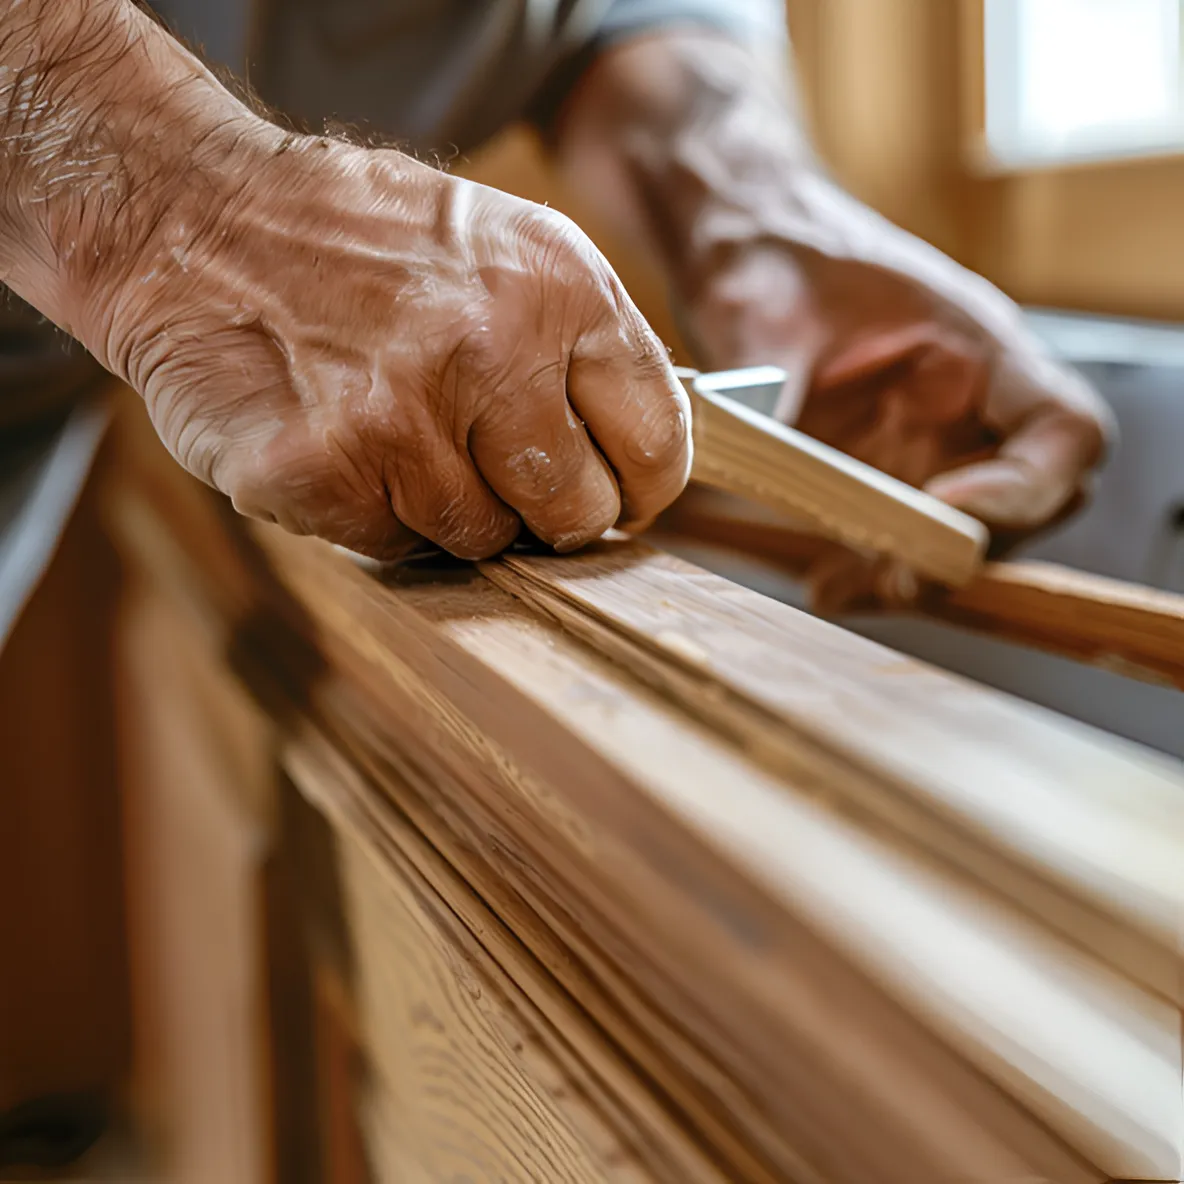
{"points": [[356, 343], [343, 340], [907, 361]]}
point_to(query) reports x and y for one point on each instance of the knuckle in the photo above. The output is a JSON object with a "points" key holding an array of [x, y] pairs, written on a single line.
{"points": [[554, 226], [478, 364]]}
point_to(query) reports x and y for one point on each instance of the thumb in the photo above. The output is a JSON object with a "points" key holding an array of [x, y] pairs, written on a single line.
{"points": [[1037, 471], [1002, 492]]}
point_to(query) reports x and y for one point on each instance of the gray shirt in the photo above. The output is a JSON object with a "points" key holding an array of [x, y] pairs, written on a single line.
{"points": [[436, 75]]}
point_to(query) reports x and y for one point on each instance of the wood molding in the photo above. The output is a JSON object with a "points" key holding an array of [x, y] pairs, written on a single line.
{"points": [[772, 962]]}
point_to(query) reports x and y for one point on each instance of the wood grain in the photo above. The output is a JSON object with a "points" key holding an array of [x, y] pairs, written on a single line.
{"points": [[610, 1107], [806, 986], [471, 1089], [1072, 825], [741, 452], [773, 1018], [1125, 627], [1131, 629]]}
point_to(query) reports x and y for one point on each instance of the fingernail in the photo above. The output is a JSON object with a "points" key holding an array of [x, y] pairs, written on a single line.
{"points": [[565, 544]]}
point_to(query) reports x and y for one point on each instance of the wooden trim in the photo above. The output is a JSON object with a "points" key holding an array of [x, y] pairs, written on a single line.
{"points": [[1128, 628], [972, 77], [1121, 626], [740, 452], [893, 774], [781, 964]]}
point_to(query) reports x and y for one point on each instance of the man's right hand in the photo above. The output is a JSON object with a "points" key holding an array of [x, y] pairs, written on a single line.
{"points": [[357, 341], [343, 340]]}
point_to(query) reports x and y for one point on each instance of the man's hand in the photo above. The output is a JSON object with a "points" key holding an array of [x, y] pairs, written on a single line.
{"points": [[358, 341], [914, 365], [344, 341], [899, 355]]}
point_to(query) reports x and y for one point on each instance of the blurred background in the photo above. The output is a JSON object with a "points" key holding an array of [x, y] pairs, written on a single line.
{"points": [[1041, 143]]}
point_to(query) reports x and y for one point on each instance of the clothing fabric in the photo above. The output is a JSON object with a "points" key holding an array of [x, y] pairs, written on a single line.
{"points": [[437, 76]]}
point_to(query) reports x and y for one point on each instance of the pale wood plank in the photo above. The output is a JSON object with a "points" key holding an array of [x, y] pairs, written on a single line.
{"points": [[741, 452], [601, 848], [1125, 627], [1134, 630], [654, 849], [365, 814], [1095, 1056], [1070, 823], [471, 1089]]}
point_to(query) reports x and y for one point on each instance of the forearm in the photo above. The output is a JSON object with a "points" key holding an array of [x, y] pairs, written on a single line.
{"points": [[695, 142], [108, 129]]}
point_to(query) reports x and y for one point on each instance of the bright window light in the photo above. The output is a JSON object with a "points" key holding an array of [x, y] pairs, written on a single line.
{"points": [[1083, 78]]}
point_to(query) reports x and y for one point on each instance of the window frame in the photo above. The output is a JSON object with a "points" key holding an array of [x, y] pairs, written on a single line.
{"points": [[1097, 234], [1001, 28]]}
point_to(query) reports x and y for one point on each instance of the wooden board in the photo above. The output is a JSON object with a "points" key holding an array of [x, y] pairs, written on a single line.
{"points": [[685, 782], [1125, 627], [805, 982], [464, 1067], [740, 452], [1070, 824], [1128, 628]]}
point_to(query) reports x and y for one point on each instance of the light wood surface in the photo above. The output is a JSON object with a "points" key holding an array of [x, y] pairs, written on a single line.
{"points": [[1132, 629], [741, 452], [655, 802], [1067, 817], [1127, 627], [1131, 1154], [478, 1054]]}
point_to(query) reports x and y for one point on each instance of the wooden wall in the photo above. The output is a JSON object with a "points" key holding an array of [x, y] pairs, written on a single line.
{"points": [[893, 89]]}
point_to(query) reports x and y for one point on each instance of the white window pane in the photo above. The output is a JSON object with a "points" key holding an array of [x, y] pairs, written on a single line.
{"points": [[1082, 75]]}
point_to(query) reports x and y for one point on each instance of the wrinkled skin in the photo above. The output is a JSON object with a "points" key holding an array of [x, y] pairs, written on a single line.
{"points": [[357, 344], [918, 367], [899, 356], [345, 341]]}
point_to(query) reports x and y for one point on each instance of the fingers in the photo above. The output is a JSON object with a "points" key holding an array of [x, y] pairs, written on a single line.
{"points": [[376, 497], [622, 385], [537, 457], [438, 493], [1054, 435]]}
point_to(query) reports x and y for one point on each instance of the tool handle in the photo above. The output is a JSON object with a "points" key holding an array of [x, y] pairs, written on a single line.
{"points": [[741, 452]]}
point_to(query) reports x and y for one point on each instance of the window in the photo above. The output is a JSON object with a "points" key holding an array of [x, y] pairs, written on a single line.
{"points": [[1083, 79]]}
